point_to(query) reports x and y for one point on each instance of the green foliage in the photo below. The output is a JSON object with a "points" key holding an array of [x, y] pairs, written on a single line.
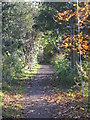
{"points": [[86, 89], [11, 66], [28, 30], [48, 52], [85, 67], [6, 87], [65, 73]]}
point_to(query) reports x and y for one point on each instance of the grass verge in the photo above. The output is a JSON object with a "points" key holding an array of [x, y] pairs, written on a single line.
{"points": [[13, 93]]}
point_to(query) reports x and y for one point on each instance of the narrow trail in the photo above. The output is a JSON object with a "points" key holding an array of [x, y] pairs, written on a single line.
{"points": [[36, 106]]}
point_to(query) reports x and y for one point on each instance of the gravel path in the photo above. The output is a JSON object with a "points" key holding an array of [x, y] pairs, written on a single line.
{"points": [[37, 106]]}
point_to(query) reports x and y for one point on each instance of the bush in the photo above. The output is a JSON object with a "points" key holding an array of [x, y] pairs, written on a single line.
{"points": [[65, 73], [11, 67]]}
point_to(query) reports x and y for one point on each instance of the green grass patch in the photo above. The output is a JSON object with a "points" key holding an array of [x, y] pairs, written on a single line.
{"points": [[16, 86], [26, 73], [11, 112]]}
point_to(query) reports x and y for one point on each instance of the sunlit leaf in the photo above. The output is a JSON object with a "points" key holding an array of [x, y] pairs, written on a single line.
{"points": [[74, 5], [82, 108]]}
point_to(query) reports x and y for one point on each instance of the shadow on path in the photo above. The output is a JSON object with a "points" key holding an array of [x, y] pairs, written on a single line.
{"points": [[38, 89]]}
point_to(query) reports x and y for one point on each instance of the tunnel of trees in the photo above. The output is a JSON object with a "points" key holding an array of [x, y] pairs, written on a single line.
{"points": [[40, 33]]}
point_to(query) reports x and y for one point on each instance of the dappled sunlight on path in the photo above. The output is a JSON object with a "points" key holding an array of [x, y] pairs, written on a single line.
{"points": [[37, 90], [42, 100]]}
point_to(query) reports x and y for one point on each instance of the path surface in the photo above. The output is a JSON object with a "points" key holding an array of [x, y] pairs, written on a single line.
{"points": [[38, 89]]}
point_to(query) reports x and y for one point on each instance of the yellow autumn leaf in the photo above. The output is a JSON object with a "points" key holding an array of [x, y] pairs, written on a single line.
{"points": [[66, 44], [81, 40], [74, 5], [65, 12], [85, 47], [85, 3], [69, 44], [55, 20], [58, 101], [58, 13], [74, 49], [41, 98], [83, 9], [67, 19], [60, 18], [66, 39], [76, 44], [82, 108]]}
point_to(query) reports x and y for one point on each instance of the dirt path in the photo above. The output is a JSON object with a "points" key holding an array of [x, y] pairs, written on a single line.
{"points": [[37, 106]]}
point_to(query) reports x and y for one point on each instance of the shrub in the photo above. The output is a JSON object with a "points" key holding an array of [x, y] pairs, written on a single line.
{"points": [[11, 67], [65, 73]]}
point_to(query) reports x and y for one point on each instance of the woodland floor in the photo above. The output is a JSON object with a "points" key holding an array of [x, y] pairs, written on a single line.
{"points": [[38, 89], [42, 100]]}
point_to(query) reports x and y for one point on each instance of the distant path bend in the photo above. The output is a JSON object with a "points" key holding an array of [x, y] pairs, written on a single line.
{"points": [[46, 70]]}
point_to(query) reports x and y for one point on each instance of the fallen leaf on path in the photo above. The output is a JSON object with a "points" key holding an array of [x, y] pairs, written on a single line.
{"points": [[38, 113], [82, 108]]}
